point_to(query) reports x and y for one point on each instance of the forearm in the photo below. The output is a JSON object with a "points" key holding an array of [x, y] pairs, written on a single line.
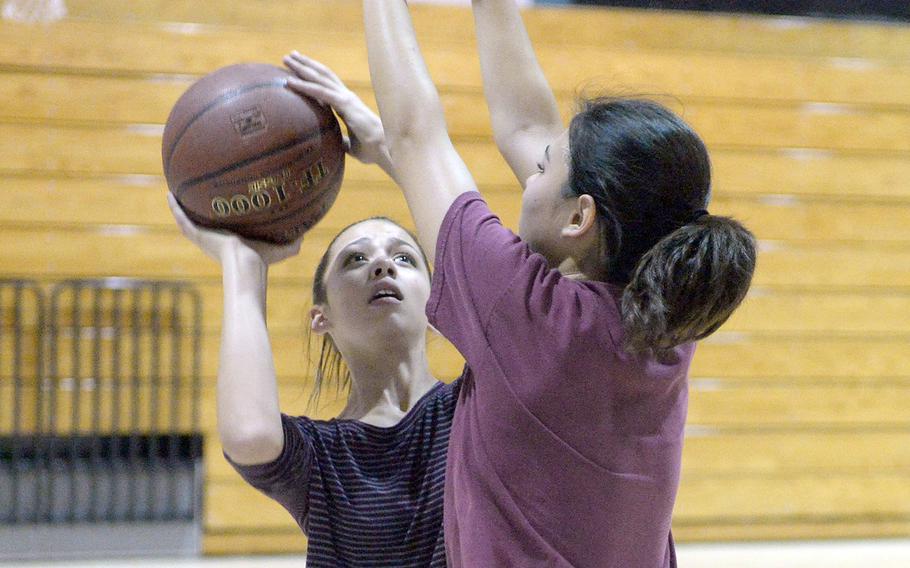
{"points": [[515, 88], [249, 420], [423, 161], [408, 101]]}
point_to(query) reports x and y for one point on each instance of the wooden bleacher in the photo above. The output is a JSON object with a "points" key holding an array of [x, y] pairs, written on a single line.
{"points": [[800, 406]]}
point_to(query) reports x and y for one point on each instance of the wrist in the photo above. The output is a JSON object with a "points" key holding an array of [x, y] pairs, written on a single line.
{"points": [[238, 257]]}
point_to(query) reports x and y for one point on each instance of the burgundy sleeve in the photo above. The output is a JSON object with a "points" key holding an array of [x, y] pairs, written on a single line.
{"points": [[286, 480], [477, 259]]}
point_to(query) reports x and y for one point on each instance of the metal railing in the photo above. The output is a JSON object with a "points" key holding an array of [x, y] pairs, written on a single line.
{"points": [[105, 421]]}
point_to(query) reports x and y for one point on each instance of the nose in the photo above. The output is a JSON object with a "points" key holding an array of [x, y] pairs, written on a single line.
{"points": [[383, 267]]}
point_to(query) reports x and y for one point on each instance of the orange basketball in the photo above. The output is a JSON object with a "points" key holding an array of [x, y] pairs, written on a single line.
{"points": [[243, 152]]}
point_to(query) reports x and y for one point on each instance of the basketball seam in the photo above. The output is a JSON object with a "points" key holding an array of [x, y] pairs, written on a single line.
{"points": [[225, 97], [242, 164]]}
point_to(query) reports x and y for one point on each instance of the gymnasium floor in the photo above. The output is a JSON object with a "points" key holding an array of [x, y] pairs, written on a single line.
{"points": [[839, 554]]}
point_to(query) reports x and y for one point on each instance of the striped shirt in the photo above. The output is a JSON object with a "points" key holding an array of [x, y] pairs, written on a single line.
{"points": [[365, 495]]}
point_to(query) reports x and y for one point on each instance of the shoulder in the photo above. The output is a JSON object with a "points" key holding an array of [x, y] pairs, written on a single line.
{"points": [[441, 399], [322, 434]]}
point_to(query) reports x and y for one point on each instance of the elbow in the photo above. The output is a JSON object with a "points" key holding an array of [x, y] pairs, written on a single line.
{"points": [[248, 446], [417, 117], [401, 133]]}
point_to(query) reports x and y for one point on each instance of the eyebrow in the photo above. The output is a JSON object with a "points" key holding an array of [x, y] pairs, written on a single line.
{"points": [[361, 240], [546, 152]]}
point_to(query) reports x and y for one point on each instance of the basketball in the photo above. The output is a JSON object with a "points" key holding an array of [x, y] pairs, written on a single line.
{"points": [[244, 153]]}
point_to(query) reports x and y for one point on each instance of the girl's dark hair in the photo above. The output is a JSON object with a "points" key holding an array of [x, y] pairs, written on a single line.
{"points": [[683, 271], [330, 367]]}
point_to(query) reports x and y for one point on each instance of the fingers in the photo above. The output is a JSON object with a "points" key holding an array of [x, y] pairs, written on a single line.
{"points": [[273, 253], [313, 82], [310, 70], [322, 94], [320, 69]]}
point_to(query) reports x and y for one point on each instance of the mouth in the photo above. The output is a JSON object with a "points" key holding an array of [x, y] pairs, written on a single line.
{"points": [[386, 294]]}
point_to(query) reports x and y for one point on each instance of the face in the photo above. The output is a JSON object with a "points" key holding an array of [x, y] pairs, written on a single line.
{"points": [[377, 288], [544, 208]]}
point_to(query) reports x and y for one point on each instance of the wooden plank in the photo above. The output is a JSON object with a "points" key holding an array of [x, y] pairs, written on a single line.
{"points": [[143, 100], [71, 150], [91, 202], [764, 311], [800, 409], [291, 541], [76, 151], [247, 541], [716, 406], [772, 312], [762, 452], [722, 356], [779, 178], [289, 352], [722, 500], [767, 452], [799, 126], [175, 49], [722, 404], [855, 407], [809, 173], [546, 25], [131, 251], [715, 500], [745, 356], [867, 526], [111, 201], [806, 264]]}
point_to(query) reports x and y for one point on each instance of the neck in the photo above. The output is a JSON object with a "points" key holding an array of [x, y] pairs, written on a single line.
{"points": [[584, 267], [386, 384]]}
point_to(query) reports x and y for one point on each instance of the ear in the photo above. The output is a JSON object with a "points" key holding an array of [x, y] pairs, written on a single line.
{"points": [[319, 322], [583, 217]]}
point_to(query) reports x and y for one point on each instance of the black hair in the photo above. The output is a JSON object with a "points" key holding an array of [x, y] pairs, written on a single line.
{"points": [[683, 271], [330, 368]]}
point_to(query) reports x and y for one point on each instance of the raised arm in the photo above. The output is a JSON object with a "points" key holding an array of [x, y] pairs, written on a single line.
{"points": [[426, 165], [523, 110], [249, 421]]}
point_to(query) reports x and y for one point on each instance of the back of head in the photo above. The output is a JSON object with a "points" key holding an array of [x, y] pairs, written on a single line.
{"points": [[683, 271]]}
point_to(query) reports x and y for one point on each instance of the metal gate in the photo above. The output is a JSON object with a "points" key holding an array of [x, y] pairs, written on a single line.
{"points": [[101, 453]]}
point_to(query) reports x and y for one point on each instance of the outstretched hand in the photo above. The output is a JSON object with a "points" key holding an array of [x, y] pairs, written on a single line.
{"points": [[366, 138], [215, 243]]}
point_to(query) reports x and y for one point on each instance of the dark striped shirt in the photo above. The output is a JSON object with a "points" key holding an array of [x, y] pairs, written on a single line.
{"points": [[365, 495]]}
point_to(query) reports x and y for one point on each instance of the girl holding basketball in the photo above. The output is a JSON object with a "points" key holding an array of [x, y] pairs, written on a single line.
{"points": [[367, 486], [578, 332]]}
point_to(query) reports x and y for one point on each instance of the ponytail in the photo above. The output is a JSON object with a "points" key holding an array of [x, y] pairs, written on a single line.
{"points": [[683, 271], [688, 284]]}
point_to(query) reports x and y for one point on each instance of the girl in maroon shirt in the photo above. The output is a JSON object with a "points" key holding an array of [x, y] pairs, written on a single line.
{"points": [[578, 332]]}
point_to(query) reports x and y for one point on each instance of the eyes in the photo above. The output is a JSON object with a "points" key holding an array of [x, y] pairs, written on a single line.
{"points": [[539, 168], [358, 258]]}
